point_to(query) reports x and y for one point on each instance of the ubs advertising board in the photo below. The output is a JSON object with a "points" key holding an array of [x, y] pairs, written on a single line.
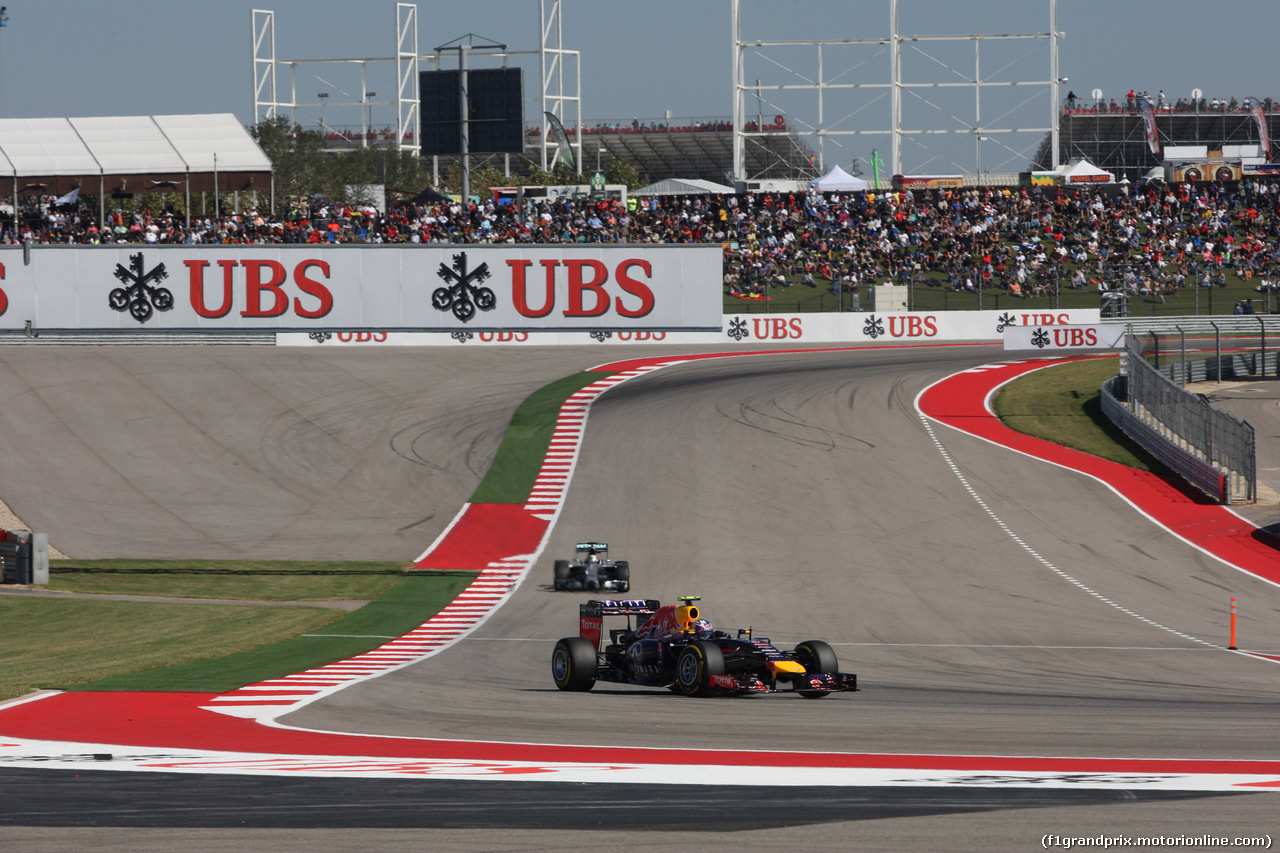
{"points": [[310, 288], [745, 330]]}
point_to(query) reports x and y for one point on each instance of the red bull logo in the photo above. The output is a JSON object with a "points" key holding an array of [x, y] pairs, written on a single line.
{"points": [[664, 621]]}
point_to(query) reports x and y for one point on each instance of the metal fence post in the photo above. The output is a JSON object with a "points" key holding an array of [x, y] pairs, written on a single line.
{"points": [[1183, 334], [1263, 327]]}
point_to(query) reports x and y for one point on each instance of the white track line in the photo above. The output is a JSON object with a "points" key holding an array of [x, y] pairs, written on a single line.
{"points": [[964, 481]]}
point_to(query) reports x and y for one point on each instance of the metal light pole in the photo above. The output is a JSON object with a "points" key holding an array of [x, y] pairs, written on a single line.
{"points": [[464, 125], [464, 102], [323, 96], [4, 22], [368, 117]]}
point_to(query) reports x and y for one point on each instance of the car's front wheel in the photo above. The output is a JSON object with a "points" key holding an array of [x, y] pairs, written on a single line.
{"points": [[817, 657], [574, 664], [695, 666], [561, 574]]}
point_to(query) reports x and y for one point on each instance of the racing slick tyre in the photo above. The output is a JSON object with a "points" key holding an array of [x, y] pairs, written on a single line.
{"points": [[816, 656], [622, 574], [562, 573], [574, 664], [697, 662]]}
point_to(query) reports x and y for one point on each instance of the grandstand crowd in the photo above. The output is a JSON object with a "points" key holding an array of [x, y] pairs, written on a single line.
{"points": [[1152, 240], [1131, 103]]}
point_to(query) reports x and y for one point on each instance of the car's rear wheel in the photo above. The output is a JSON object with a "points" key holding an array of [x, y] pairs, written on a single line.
{"points": [[818, 657], [574, 664], [561, 573], [695, 666]]}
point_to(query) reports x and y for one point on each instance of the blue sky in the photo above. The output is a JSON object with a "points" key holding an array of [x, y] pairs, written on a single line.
{"points": [[77, 58]]}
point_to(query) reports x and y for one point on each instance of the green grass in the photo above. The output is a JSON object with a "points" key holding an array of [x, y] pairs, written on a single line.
{"points": [[936, 295], [1063, 404], [77, 643], [240, 580], [59, 641], [405, 606]]}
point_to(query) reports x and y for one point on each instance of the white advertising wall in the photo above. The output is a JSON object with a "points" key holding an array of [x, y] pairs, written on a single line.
{"points": [[743, 329], [318, 288], [1050, 338]]}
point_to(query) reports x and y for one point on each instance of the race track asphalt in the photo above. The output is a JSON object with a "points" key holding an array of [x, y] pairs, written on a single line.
{"points": [[1258, 403], [1001, 606]]}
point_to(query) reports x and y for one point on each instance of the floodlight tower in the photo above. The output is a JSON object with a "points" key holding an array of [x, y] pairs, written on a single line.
{"points": [[4, 22], [895, 83]]}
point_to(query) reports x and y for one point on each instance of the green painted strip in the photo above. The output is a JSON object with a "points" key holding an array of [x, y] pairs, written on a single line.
{"points": [[524, 445]]}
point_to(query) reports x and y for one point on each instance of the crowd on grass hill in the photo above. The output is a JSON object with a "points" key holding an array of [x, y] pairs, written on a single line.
{"points": [[1151, 240]]}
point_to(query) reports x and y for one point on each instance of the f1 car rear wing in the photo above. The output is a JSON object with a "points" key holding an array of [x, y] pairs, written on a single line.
{"points": [[591, 614], [584, 547], [623, 607]]}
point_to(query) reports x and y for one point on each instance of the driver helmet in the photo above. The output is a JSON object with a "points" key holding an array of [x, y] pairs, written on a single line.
{"points": [[700, 628]]}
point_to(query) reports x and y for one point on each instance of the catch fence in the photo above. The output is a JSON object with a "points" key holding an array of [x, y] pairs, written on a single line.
{"points": [[1212, 449]]}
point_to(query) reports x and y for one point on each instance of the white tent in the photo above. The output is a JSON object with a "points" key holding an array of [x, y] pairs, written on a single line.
{"points": [[1084, 172], [105, 155], [838, 181], [83, 148], [683, 186]]}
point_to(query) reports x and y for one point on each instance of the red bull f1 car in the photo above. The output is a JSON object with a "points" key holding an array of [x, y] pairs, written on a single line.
{"points": [[672, 646], [592, 570]]}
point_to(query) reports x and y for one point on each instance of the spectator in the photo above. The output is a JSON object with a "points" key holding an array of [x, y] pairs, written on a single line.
{"points": [[1152, 241]]}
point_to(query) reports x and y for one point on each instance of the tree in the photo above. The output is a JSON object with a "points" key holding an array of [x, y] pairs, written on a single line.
{"points": [[302, 168], [404, 171], [297, 157], [621, 172]]}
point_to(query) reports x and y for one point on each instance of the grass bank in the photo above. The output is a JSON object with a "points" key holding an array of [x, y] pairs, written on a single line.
{"points": [[1063, 404], [403, 607], [934, 294], [240, 580]]}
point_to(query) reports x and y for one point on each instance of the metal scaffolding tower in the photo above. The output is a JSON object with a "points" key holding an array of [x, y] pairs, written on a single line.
{"points": [[895, 86], [558, 90]]}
